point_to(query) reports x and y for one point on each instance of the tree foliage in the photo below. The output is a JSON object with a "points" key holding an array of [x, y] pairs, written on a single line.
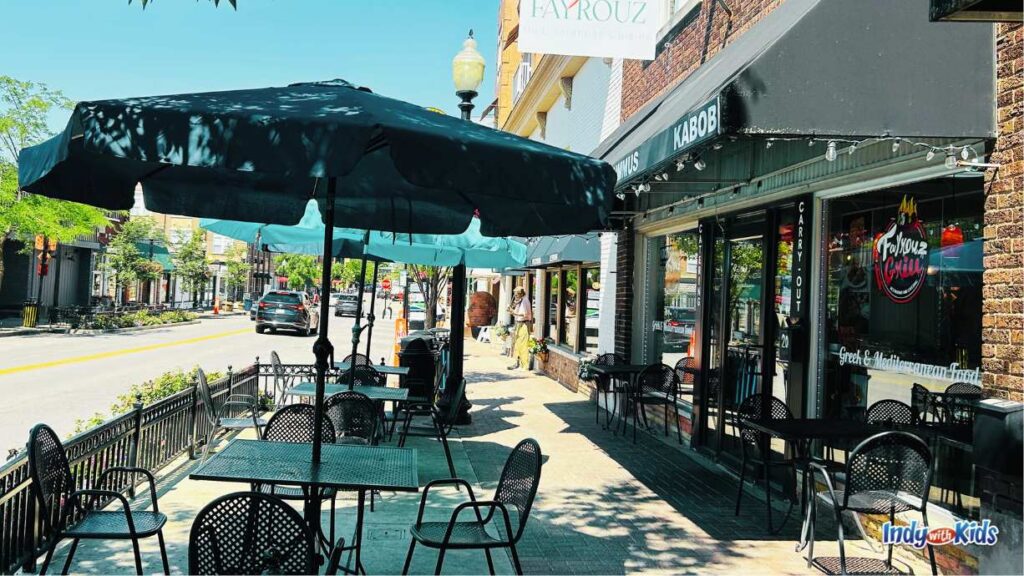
{"points": [[348, 272], [124, 258], [302, 270], [237, 268], [24, 107], [191, 264], [433, 284]]}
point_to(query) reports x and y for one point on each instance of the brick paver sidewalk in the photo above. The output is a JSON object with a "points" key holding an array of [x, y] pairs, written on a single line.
{"points": [[607, 506]]}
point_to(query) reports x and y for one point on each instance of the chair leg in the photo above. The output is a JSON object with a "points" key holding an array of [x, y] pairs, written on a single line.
{"points": [[812, 516], [892, 522], [334, 501], [440, 561], [743, 474], [408, 557], [931, 551], [71, 554], [49, 553], [597, 408], [447, 452], [768, 491], [515, 558], [842, 542], [163, 552], [138, 556], [490, 562], [679, 431]]}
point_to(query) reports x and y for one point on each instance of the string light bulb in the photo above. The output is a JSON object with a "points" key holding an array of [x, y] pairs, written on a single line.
{"points": [[680, 165], [929, 156], [699, 164], [950, 162], [964, 153], [768, 144], [895, 145], [810, 143], [664, 176], [830, 151]]}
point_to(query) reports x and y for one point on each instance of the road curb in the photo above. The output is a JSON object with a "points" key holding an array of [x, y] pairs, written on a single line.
{"points": [[29, 331]]}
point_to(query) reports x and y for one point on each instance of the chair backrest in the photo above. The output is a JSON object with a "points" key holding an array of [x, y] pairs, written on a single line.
{"points": [[280, 378], [752, 408], [888, 465], [358, 359], [417, 357], [890, 412], [295, 423], [603, 381], [964, 388], [454, 402], [250, 533], [920, 401], [658, 378], [685, 370], [353, 416], [50, 471], [364, 375], [203, 388], [517, 486]]}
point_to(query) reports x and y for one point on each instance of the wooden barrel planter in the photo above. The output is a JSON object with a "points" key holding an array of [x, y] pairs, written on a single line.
{"points": [[482, 309]]}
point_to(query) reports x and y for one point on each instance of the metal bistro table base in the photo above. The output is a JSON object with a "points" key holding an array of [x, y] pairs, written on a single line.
{"points": [[616, 371], [343, 467]]}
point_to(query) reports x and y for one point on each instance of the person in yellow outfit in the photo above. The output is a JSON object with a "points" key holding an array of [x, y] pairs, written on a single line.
{"points": [[522, 313]]}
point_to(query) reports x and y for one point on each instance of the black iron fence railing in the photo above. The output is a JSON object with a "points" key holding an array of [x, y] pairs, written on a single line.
{"points": [[149, 437]]}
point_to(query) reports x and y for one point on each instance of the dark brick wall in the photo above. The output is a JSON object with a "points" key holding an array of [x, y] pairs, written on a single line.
{"points": [[1003, 291], [624, 292], [563, 369], [700, 37]]}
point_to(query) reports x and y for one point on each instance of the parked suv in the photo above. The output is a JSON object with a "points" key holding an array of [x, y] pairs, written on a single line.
{"points": [[287, 310], [347, 305]]}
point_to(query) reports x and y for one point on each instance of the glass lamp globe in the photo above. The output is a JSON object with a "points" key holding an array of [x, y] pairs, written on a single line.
{"points": [[468, 67]]}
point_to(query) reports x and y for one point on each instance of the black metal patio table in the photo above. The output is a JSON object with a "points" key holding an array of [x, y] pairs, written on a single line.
{"points": [[801, 432], [618, 371], [375, 393], [343, 467]]}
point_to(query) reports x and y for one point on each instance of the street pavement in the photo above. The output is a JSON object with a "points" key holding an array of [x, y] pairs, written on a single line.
{"points": [[61, 378]]}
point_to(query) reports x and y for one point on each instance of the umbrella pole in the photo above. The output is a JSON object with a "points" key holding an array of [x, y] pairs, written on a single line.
{"points": [[370, 317], [322, 349], [356, 329], [456, 343]]}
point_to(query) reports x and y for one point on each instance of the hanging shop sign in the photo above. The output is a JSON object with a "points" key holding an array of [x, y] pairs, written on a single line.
{"points": [[694, 128], [901, 255], [598, 28], [801, 257]]}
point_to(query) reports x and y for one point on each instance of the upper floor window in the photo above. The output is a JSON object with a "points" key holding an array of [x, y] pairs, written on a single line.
{"points": [[521, 77]]}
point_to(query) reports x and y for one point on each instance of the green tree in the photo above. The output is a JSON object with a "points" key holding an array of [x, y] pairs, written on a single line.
{"points": [[24, 107], [124, 259], [238, 269], [348, 272], [191, 264], [433, 284], [302, 270]]}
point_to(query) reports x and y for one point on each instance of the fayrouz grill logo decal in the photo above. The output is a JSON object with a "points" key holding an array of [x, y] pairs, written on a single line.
{"points": [[901, 255]]}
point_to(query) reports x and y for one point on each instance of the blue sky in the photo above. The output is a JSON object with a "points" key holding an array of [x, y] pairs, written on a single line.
{"points": [[96, 49]]}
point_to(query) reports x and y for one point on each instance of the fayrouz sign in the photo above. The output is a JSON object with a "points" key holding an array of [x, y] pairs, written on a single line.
{"points": [[901, 255], [599, 28]]}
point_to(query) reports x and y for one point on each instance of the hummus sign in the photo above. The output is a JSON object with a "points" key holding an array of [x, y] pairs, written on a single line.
{"points": [[599, 28], [900, 255]]}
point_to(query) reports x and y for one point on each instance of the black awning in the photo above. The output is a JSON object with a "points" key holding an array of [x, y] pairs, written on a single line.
{"points": [[553, 250], [823, 68]]}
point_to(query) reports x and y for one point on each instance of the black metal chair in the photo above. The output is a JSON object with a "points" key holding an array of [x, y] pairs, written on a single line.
{"points": [[887, 473], [70, 513], [605, 386], [686, 372], [756, 448], [656, 385], [354, 417], [889, 413], [513, 499], [922, 403], [252, 533], [441, 422], [358, 359], [423, 381], [364, 375], [958, 403], [282, 380], [295, 424], [215, 416]]}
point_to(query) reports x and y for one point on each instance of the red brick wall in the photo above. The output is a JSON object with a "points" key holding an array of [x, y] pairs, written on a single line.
{"points": [[694, 45], [1003, 321], [563, 369]]}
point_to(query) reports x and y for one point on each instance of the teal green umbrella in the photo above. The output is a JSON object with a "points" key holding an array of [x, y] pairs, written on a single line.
{"points": [[470, 248]]}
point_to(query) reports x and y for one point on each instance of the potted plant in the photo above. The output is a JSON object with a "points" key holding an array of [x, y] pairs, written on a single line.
{"points": [[538, 349]]}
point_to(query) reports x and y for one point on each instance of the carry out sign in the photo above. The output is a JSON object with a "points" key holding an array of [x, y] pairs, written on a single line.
{"points": [[600, 28]]}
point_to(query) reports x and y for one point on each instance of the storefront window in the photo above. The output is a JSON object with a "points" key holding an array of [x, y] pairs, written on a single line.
{"points": [[553, 297], [903, 292], [569, 331], [674, 329], [592, 320]]}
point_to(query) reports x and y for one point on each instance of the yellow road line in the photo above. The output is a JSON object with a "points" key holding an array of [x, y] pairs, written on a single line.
{"points": [[100, 355]]}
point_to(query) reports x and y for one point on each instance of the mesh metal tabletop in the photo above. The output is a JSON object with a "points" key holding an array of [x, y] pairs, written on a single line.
{"points": [[382, 368], [816, 428], [345, 467], [377, 393]]}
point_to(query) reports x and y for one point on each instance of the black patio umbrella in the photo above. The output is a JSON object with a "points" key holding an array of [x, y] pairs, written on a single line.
{"points": [[370, 162]]}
